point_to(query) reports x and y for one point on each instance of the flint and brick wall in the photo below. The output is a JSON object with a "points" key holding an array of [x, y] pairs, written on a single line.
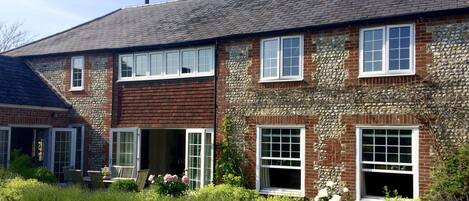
{"points": [[332, 100], [92, 106]]}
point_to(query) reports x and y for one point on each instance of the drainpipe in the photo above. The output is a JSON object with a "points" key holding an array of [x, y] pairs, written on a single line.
{"points": [[215, 106]]}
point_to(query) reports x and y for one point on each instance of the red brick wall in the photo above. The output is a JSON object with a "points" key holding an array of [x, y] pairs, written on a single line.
{"points": [[19, 116], [183, 103]]}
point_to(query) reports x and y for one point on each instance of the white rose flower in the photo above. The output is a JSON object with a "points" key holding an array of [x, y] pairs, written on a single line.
{"points": [[330, 184], [323, 193], [316, 198], [345, 190], [335, 198]]}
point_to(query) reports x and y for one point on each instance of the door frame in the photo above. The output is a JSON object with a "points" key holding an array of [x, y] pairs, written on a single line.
{"points": [[9, 143], [72, 148], [82, 143], [137, 145], [203, 132]]}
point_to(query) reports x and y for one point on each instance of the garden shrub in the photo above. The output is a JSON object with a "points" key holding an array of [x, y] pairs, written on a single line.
{"points": [[225, 193], [231, 161], [450, 180], [230, 179], [15, 189], [42, 174], [6, 174], [22, 164], [124, 186], [171, 185]]}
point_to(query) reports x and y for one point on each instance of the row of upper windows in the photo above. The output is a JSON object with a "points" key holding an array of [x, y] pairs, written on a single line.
{"points": [[384, 51]]}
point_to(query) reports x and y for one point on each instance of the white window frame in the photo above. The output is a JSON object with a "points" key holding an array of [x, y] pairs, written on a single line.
{"points": [[280, 191], [8, 129], [280, 77], [82, 142], [72, 67], [415, 160], [385, 72], [164, 75], [147, 71], [203, 132]]}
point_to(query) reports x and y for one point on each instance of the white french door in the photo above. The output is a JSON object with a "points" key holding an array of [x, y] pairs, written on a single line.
{"points": [[63, 150], [5, 141], [199, 157], [124, 152]]}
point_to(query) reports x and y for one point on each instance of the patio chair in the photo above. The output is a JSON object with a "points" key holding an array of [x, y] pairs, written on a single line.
{"points": [[96, 180], [66, 171], [76, 178], [122, 171], [142, 178]]}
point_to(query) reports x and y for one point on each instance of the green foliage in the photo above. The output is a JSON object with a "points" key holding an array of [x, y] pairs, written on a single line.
{"points": [[233, 180], [21, 164], [172, 188], [450, 180], [124, 186], [6, 174], [31, 190], [231, 160]]}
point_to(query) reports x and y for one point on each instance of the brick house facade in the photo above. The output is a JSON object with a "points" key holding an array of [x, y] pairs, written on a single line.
{"points": [[332, 105]]}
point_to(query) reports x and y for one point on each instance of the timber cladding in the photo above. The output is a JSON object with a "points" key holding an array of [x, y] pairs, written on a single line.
{"points": [[182, 103]]}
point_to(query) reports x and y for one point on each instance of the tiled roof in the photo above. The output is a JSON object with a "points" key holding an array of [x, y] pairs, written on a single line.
{"points": [[19, 85], [196, 20]]}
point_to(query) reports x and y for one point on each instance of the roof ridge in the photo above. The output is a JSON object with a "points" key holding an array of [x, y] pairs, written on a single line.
{"points": [[64, 31], [150, 4]]}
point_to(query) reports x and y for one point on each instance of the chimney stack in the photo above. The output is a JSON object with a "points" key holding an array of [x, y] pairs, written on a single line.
{"points": [[147, 1]]}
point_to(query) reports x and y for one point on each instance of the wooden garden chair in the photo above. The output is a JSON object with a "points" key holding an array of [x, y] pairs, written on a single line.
{"points": [[142, 178], [96, 180], [76, 178]]}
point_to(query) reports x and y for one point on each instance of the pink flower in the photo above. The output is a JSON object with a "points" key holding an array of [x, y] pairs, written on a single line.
{"points": [[185, 180], [174, 178], [167, 178]]}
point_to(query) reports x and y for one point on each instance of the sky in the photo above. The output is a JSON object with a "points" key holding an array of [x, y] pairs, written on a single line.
{"points": [[45, 17]]}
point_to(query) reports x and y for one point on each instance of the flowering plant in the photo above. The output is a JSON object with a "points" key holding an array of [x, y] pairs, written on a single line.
{"points": [[170, 184], [330, 193], [106, 171]]}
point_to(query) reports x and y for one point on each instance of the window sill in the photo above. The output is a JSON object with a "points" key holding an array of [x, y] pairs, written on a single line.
{"points": [[162, 78], [386, 75], [281, 80], [76, 89], [281, 192], [372, 198]]}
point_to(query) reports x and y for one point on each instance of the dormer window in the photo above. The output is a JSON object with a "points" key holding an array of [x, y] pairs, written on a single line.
{"points": [[387, 51]]}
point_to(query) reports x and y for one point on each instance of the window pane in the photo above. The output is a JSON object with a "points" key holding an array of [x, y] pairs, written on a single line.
{"points": [[172, 63], [188, 62], [127, 64], [280, 178], [77, 71], [141, 65], [156, 64], [372, 50], [375, 182], [291, 56], [399, 48], [205, 60], [270, 58]]}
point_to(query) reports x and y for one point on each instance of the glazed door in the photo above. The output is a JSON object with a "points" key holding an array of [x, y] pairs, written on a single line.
{"points": [[124, 152], [63, 150], [5, 141], [199, 161]]}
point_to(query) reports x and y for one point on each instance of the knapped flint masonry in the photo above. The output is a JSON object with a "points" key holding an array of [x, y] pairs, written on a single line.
{"points": [[317, 91]]}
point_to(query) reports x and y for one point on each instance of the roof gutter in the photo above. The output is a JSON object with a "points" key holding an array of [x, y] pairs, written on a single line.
{"points": [[243, 35], [33, 107]]}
